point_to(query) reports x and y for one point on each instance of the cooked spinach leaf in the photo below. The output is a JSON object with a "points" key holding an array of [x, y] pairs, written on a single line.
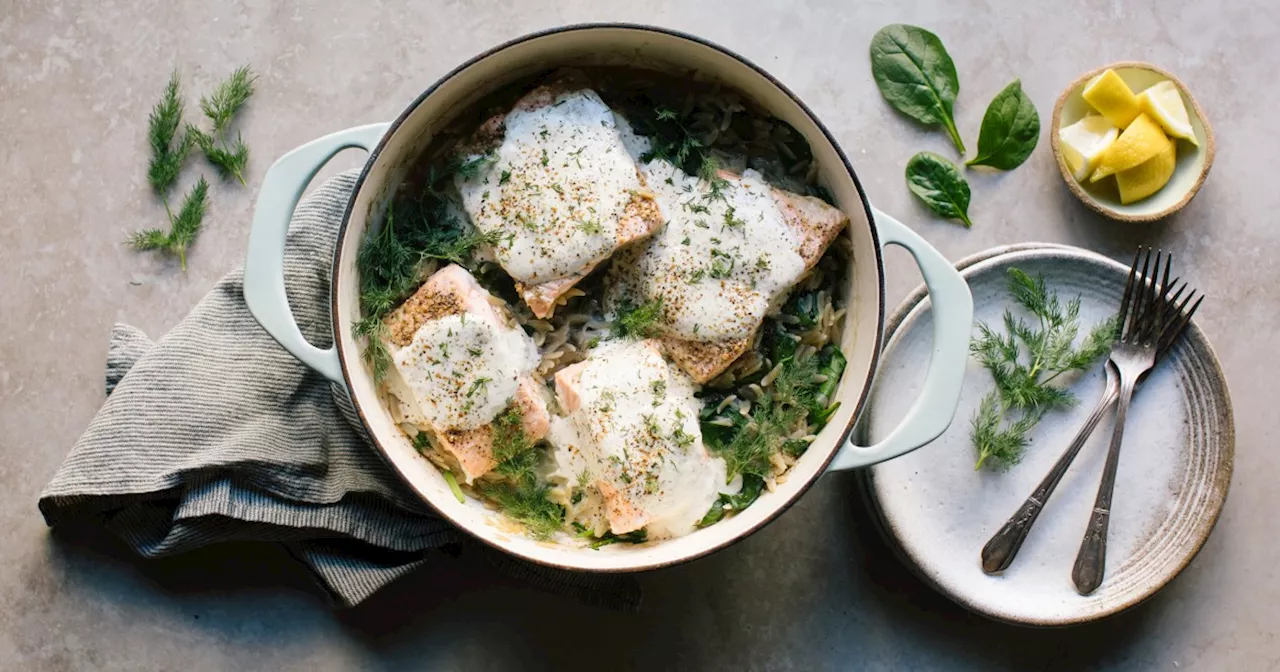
{"points": [[938, 183], [1010, 130], [916, 76], [750, 492], [637, 537]]}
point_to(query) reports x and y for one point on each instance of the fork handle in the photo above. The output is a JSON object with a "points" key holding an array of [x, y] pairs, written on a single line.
{"points": [[1000, 551], [1091, 561]]}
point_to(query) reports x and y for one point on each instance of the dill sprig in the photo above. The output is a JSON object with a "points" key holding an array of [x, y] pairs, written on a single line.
{"points": [[183, 227], [168, 150], [1024, 361], [230, 158], [391, 257], [228, 97], [519, 495], [638, 321]]}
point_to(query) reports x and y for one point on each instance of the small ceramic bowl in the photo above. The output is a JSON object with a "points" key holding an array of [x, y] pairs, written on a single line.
{"points": [[1192, 165]]}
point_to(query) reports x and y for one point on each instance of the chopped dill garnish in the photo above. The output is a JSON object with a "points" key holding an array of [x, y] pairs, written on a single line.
{"points": [[659, 388], [731, 222], [479, 385], [722, 264], [590, 227], [504, 177]]}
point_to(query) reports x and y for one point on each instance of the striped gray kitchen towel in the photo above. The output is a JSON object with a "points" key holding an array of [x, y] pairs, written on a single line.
{"points": [[215, 433]]}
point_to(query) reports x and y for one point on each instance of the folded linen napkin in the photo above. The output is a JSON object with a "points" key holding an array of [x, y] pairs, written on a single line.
{"points": [[215, 433]]}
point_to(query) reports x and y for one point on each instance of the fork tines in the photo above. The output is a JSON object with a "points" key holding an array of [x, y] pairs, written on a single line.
{"points": [[1153, 309]]}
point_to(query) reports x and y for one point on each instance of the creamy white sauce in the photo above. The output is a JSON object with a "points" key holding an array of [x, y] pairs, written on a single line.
{"points": [[555, 190], [460, 371], [725, 254], [636, 429]]}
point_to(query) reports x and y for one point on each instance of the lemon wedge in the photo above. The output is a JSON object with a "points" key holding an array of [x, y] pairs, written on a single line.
{"points": [[1111, 97], [1142, 140], [1084, 142], [1163, 102], [1147, 177]]}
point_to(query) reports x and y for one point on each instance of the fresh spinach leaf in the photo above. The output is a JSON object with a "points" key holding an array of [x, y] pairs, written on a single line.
{"points": [[1010, 130], [916, 76], [938, 183]]}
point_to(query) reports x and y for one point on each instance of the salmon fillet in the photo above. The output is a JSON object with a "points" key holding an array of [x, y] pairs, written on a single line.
{"points": [[453, 291], [815, 225], [522, 198], [642, 219]]}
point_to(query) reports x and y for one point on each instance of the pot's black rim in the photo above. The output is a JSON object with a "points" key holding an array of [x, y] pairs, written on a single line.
{"points": [[866, 205]]}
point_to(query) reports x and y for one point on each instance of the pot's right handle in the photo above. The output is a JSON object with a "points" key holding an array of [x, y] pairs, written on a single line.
{"points": [[952, 311], [281, 190]]}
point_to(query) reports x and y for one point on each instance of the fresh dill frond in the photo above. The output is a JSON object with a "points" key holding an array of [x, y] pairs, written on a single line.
{"points": [[186, 225], [150, 239], [470, 168], [228, 97], [376, 354], [230, 161], [230, 158], [391, 257], [638, 321], [183, 227], [168, 150], [1023, 361], [776, 415], [527, 505], [519, 495]]}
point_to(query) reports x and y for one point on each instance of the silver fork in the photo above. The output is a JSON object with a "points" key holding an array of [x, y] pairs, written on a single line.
{"points": [[1003, 547], [1150, 315]]}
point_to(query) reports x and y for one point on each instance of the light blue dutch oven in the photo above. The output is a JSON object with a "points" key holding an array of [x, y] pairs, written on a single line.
{"points": [[394, 147]]}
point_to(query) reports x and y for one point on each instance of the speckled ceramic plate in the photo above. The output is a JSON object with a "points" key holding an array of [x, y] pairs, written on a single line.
{"points": [[1175, 466]]}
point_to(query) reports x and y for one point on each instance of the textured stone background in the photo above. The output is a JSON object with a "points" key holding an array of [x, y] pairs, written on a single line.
{"points": [[815, 590]]}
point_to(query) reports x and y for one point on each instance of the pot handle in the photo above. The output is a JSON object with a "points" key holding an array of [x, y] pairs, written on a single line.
{"points": [[281, 190], [952, 308]]}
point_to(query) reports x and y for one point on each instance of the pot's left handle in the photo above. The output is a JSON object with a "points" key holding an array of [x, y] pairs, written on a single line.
{"points": [[952, 311], [281, 190]]}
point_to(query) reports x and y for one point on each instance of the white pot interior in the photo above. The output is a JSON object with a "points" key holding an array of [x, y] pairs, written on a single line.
{"points": [[599, 45]]}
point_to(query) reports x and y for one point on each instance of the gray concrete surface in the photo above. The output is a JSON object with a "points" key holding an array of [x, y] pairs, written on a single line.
{"points": [[815, 590]]}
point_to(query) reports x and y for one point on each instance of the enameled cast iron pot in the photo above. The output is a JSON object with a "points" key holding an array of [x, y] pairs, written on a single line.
{"points": [[394, 147]]}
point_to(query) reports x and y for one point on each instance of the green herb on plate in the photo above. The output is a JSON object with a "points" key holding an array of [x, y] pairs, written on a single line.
{"points": [[938, 183], [916, 76], [1025, 361], [1010, 130]]}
